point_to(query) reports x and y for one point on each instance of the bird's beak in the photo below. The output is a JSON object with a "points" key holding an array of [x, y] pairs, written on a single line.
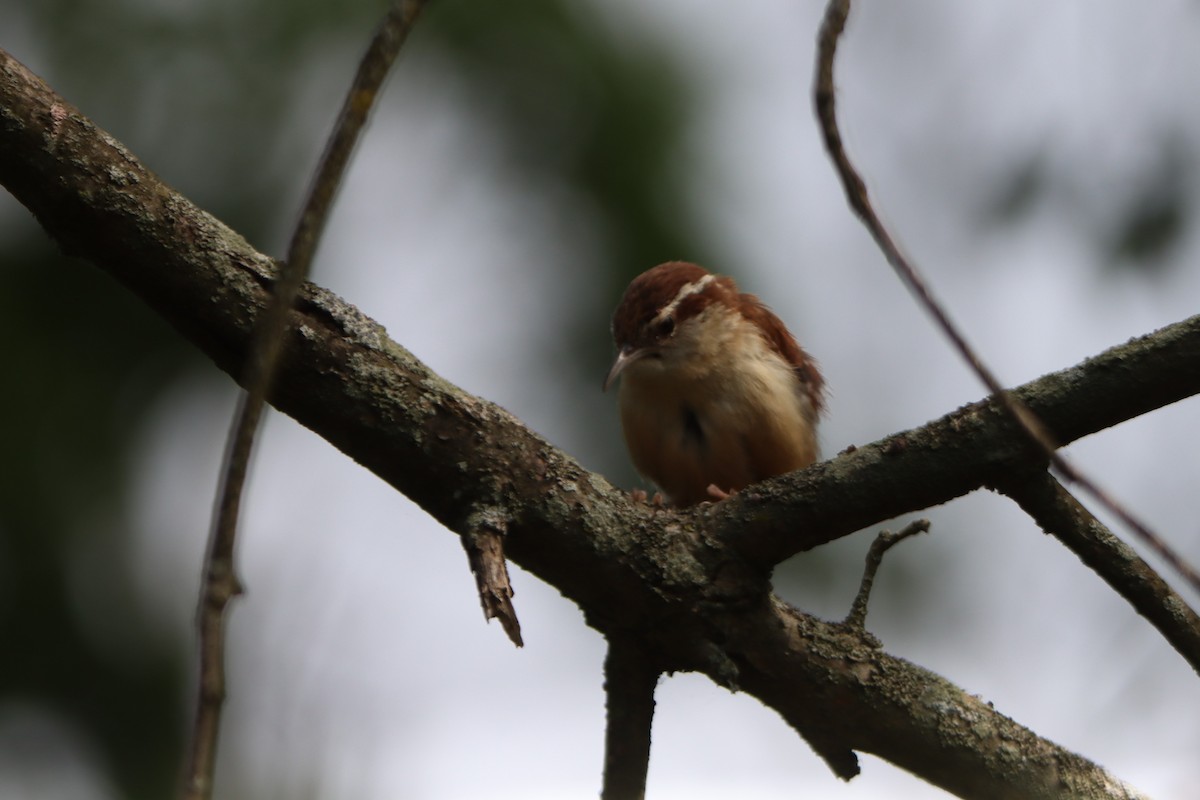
{"points": [[626, 357]]}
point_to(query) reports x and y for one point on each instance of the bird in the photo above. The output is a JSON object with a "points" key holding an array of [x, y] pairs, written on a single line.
{"points": [[715, 394]]}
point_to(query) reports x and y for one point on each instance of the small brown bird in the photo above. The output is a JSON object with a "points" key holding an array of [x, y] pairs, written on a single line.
{"points": [[715, 393]]}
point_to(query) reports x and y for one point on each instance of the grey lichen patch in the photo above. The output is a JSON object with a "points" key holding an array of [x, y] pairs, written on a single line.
{"points": [[213, 242], [599, 484], [122, 177], [353, 323], [106, 139], [672, 551], [948, 714], [489, 518], [1009, 752], [616, 529], [479, 408], [1177, 608], [982, 727], [968, 722], [861, 671], [377, 381], [849, 653]]}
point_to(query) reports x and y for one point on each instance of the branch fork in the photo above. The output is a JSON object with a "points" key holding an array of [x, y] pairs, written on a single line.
{"points": [[577, 539]]}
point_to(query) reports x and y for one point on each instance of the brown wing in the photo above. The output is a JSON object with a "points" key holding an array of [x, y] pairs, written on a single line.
{"points": [[782, 342]]}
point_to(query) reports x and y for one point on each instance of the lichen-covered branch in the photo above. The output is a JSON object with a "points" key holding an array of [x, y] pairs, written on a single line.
{"points": [[863, 697], [690, 588]]}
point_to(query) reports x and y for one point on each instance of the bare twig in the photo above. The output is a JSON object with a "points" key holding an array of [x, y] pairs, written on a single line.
{"points": [[856, 193], [857, 618], [220, 578], [484, 543], [1058, 513], [629, 682]]}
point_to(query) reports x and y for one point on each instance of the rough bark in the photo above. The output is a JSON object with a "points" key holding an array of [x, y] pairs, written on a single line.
{"points": [[692, 589]]}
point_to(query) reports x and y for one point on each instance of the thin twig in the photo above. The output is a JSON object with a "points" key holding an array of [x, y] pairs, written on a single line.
{"points": [[1059, 514], [484, 543], [220, 578], [629, 682], [857, 618], [856, 193]]}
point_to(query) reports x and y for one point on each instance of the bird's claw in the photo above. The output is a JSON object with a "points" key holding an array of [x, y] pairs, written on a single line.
{"points": [[717, 493], [640, 496]]}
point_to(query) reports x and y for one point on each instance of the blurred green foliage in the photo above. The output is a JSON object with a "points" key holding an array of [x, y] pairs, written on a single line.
{"points": [[85, 362], [1133, 228], [1153, 218]]}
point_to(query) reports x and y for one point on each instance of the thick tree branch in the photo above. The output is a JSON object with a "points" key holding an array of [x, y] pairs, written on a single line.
{"points": [[691, 588]]}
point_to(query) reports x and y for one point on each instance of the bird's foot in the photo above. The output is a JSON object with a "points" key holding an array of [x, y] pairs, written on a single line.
{"points": [[640, 496], [717, 493]]}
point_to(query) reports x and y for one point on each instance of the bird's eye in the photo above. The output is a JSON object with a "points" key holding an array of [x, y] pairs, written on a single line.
{"points": [[664, 327]]}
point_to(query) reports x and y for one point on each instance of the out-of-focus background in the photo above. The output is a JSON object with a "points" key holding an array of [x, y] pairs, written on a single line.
{"points": [[1040, 162]]}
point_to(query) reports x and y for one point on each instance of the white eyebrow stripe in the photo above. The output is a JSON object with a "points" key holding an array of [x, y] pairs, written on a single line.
{"points": [[686, 291]]}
